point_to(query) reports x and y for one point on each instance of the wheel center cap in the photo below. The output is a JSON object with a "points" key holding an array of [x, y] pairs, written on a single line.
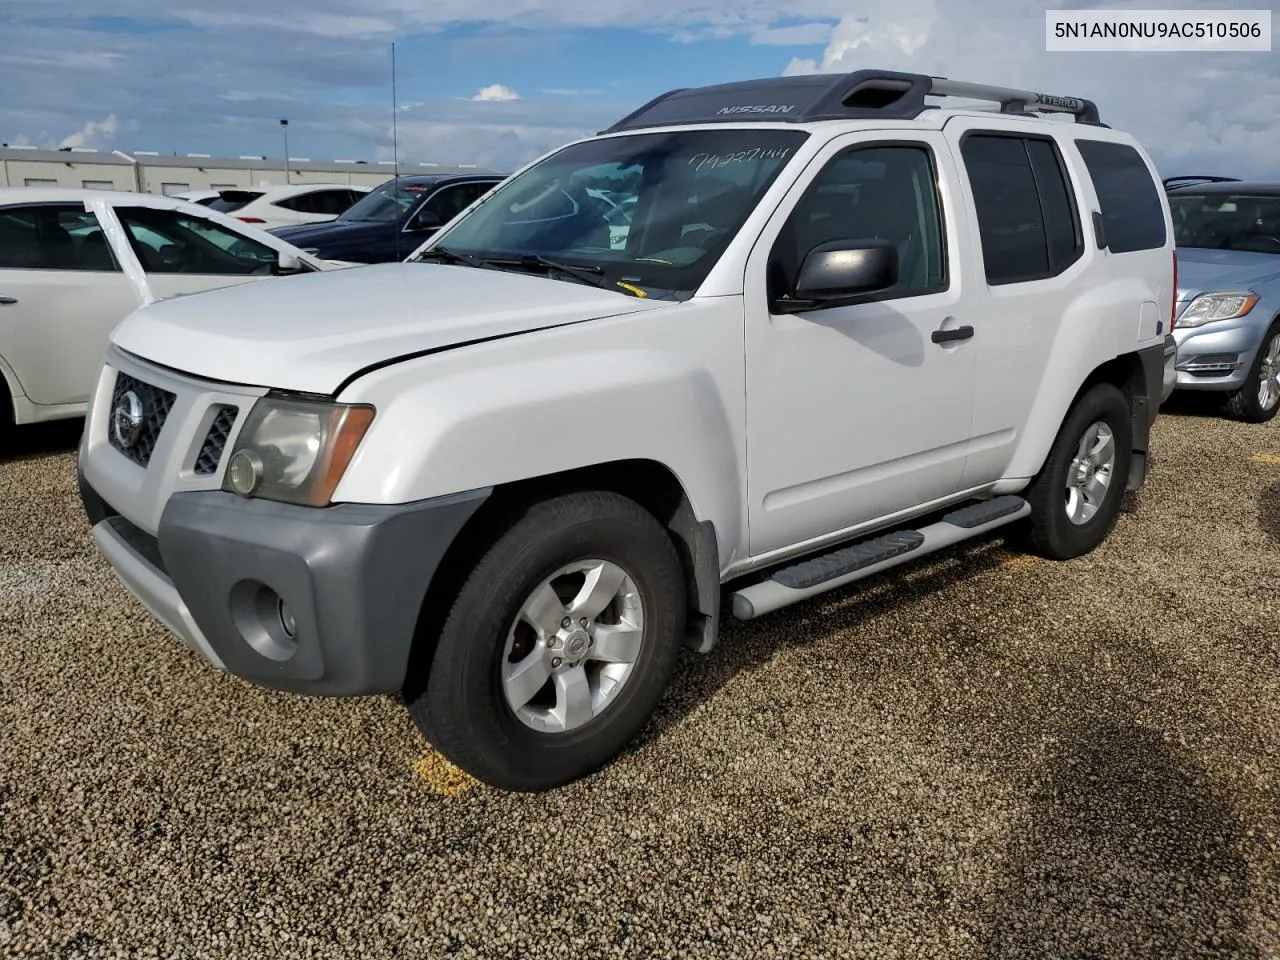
{"points": [[576, 644]]}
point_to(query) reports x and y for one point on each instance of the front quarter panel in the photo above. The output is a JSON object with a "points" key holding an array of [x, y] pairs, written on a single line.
{"points": [[664, 385]]}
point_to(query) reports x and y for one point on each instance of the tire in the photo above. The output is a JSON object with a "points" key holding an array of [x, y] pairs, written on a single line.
{"points": [[1248, 404], [469, 710], [1050, 531]]}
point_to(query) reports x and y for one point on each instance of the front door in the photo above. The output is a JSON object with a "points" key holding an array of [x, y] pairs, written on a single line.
{"points": [[183, 253], [855, 413]]}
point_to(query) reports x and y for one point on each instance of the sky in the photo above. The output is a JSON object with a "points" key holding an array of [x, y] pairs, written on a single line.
{"points": [[499, 82]]}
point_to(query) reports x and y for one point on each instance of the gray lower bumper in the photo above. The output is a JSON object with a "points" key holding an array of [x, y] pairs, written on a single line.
{"points": [[351, 577]]}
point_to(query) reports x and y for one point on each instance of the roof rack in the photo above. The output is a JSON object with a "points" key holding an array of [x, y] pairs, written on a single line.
{"points": [[863, 94]]}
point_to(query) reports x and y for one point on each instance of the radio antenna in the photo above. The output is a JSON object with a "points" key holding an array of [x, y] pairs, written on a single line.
{"points": [[395, 140]]}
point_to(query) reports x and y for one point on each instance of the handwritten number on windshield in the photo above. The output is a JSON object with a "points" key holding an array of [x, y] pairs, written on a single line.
{"points": [[712, 160]]}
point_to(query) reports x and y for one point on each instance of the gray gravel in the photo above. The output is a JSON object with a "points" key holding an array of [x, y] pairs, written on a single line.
{"points": [[989, 756]]}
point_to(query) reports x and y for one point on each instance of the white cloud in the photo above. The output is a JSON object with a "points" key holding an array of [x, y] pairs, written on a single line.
{"points": [[1208, 113], [800, 35], [567, 92], [95, 133], [496, 91]]}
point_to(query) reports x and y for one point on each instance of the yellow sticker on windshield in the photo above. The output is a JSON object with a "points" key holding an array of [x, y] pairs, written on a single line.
{"points": [[636, 290]]}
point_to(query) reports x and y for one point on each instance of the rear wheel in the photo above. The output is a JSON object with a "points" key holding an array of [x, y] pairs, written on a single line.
{"points": [[1258, 398], [1076, 497], [559, 645]]}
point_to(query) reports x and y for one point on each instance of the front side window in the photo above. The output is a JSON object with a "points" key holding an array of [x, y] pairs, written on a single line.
{"points": [[169, 242], [872, 193], [53, 237], [691, 191], [1225, 221]]}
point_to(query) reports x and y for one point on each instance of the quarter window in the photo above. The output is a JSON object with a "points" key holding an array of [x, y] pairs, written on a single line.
{"points": [[1027, 219], [871, 193], [1132, 212]]}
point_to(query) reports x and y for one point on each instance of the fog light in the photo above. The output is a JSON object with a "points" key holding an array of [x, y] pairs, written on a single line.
{"points": [[286, 619], [244, 472]]}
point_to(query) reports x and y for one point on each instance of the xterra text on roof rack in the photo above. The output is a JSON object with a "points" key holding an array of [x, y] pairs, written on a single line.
{"points": [[508, 478]]}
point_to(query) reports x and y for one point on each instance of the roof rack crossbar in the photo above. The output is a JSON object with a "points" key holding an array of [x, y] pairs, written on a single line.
{"points": [[1012, 100]]}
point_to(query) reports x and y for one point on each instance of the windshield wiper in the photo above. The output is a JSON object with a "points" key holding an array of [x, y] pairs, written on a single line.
{"points": [[580, 271], [454, 256], [583, 273]]}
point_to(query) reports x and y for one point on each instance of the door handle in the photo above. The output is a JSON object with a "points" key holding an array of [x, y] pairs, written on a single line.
{"points": [[7, 301], [947, 336]]}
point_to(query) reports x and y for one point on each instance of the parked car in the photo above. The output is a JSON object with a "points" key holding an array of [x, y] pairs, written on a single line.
{"points": [[393, 219], [270, 207], [507, 478], [74, 263], [1228, 324]]}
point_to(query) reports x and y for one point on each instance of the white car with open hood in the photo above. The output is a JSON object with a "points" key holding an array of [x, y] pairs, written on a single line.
{"points": [[74, 263], [505, 480]]}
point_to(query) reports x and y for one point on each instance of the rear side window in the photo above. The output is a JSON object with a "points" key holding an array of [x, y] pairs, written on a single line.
{"points": [[1132, 214], [53, 237], [232, 200], [1027, 218]]}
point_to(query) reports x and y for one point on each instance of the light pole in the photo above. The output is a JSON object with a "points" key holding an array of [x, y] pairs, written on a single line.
{"points": [[284, 129]]}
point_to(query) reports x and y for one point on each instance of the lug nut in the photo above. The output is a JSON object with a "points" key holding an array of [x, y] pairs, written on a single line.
{"points": [[566, 623], [553, 643], [582, 622], [556, 662]]}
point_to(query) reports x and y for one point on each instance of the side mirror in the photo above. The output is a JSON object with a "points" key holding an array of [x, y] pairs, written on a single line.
{"points": [[288, 263], [838, 271], [426, 220]]}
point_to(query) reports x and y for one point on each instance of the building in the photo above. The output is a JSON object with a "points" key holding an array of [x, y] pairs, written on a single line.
{"points": [[145, 172]]}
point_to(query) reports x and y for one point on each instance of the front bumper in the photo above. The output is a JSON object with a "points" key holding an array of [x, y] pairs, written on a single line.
{"points": [[1217, 356], [352, 576]]}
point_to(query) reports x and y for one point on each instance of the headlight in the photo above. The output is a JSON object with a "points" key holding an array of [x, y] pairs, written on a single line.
{"points": [[295, 451], [1209, 307]]}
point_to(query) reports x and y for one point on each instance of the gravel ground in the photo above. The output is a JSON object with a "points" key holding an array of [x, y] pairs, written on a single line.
{"points": [[988, 756]]}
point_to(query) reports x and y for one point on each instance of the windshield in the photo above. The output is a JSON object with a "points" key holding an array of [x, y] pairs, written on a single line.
{"points": [[387, 203], [1224, 221], [651, 213]]}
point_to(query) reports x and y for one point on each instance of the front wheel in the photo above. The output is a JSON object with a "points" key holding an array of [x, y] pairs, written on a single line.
{"points": [[1258, 398], [1076, 497], [559, 645]]}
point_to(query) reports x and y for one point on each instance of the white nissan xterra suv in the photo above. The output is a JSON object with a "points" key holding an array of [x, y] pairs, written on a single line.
{"points": [[506, 479]]}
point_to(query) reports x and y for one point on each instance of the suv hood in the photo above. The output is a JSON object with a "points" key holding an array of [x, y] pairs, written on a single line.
{"points": [[1201, 270], [310, 333]]}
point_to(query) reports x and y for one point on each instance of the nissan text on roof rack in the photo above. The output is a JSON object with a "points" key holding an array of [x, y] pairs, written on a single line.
{"points": [[507, 478]]}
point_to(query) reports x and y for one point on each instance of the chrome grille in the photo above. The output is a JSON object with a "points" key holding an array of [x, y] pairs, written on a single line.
{"points": [[215, 440], [137, 441]]}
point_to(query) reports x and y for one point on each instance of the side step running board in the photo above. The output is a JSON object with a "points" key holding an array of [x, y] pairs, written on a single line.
{"points": [[829, 571]]}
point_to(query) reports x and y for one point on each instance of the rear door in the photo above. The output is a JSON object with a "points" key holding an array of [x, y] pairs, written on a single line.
{"points": [[1033, 259], [62, 292]]}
